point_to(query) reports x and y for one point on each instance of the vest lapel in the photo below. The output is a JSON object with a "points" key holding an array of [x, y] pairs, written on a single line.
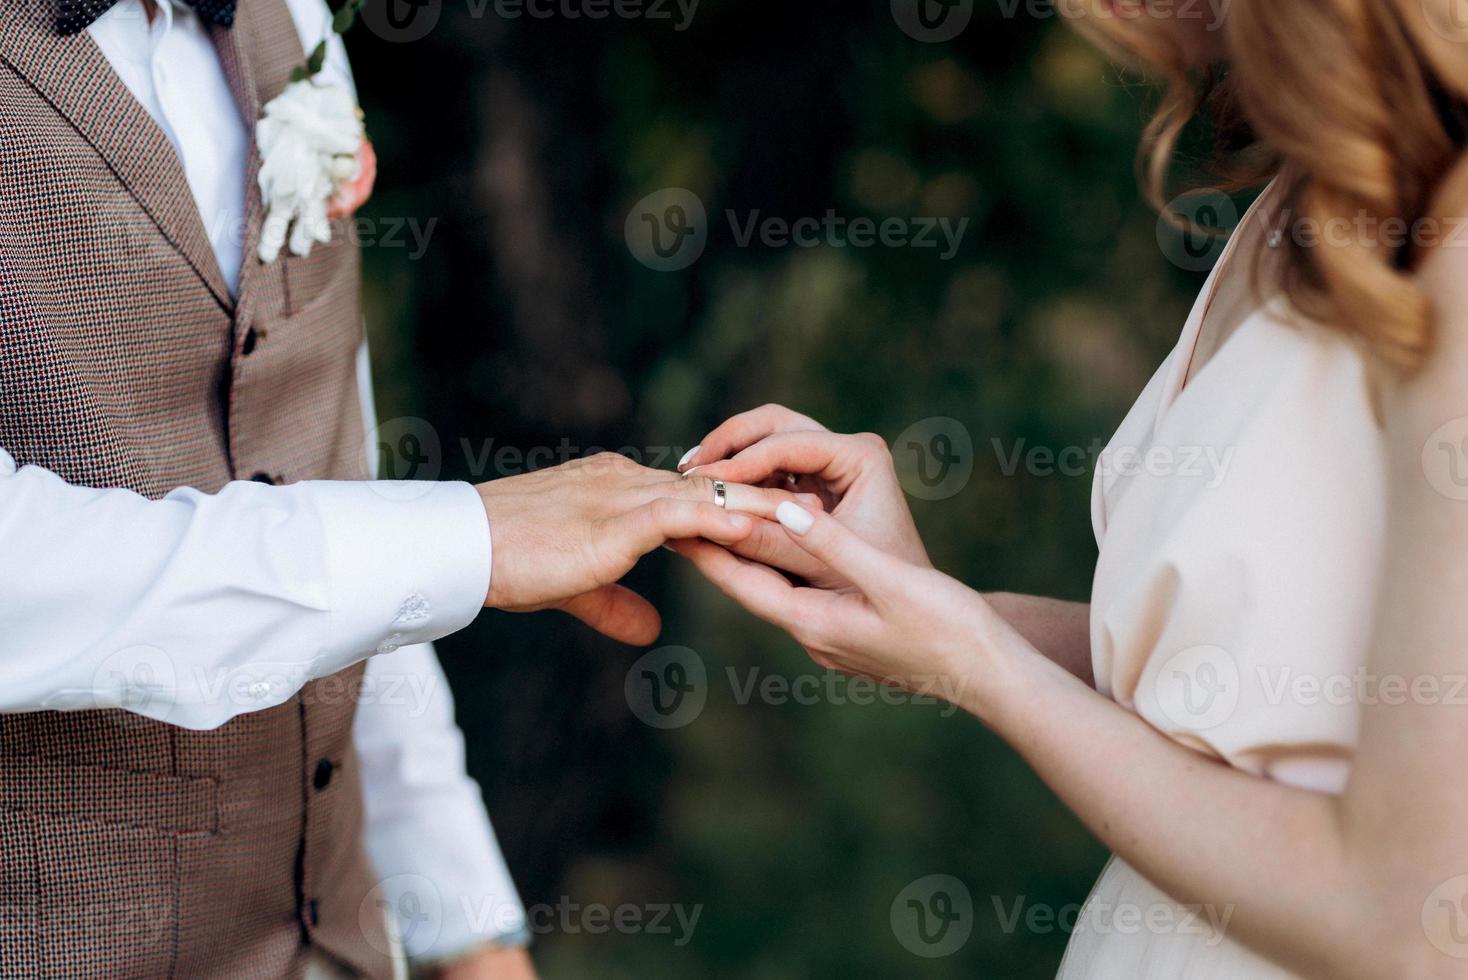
{"points": [[74, 76], [241, 77]]}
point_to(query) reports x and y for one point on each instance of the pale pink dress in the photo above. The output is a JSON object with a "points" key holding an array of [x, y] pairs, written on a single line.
{"points": [[1233, 594]]}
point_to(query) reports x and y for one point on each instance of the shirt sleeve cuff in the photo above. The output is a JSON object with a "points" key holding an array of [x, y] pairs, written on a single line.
{"points": [[406, 561]]}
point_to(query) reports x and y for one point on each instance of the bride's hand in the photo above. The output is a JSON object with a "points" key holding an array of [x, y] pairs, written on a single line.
{"points": [[854, 475], [898, 623]]}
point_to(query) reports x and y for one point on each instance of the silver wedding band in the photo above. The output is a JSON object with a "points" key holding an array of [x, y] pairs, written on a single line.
{"points": [[721, 494]]}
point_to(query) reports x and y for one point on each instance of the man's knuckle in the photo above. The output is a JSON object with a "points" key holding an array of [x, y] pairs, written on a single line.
{"points": [[766, 549], [601, 464], [696, 488], [808, 633]]}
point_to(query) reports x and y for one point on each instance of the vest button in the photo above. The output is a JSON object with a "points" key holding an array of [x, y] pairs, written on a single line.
{"points": [[252, 337], [324, 770]]}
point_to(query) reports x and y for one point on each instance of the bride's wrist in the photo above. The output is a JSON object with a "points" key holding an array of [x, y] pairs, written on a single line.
{"points": [[995, 669], [964, 654]]}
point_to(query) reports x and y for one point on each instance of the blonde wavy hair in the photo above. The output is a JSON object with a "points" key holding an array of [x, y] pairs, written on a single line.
{"points": [[1358, 107]]}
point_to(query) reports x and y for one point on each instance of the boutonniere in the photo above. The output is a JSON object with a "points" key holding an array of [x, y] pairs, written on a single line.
{"points": [[309, 138]]}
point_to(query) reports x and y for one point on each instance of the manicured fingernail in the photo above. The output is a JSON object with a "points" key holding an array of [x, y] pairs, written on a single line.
{"points": [[794, 518], [688, 457]]}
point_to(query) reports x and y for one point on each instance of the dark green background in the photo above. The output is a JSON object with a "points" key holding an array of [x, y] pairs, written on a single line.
{"points": [[528, 321]]}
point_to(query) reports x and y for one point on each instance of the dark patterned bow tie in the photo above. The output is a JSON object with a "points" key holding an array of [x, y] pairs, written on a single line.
{"points": [[74, 15]]}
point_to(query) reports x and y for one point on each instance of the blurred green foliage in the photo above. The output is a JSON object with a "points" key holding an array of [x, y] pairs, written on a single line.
{"points": [[528, 321]]}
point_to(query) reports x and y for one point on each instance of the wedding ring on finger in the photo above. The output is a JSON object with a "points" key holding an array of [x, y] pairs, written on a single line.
{"points": [[721, 495]]}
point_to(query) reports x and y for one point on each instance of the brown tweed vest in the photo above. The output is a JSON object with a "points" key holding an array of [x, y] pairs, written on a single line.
{"points": [[128, 847]]}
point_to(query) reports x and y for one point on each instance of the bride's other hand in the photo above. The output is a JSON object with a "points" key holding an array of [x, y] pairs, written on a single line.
{"points": [[898, 622], [562, 537], [853, 475], [744, 430]]}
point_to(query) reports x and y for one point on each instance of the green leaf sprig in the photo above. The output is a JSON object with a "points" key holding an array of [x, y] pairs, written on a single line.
{"points": [[341, 22]]}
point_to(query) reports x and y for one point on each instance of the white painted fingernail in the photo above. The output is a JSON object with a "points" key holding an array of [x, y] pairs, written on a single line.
{"points": [[794, 518], [688, 456]]}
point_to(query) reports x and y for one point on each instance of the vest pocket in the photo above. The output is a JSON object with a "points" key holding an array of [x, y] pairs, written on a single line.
{"points": [[321, 277], [18, 897], [97, 794], [106, 898]]}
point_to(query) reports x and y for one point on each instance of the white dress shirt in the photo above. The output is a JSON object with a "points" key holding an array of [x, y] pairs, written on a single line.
{"points": [[196, 608]]}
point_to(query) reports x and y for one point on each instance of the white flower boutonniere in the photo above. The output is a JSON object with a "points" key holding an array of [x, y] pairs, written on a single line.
{"points": [[308, 137]]}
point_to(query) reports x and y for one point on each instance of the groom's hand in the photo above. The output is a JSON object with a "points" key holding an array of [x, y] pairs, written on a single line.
{"points": [[562, 537], [488, 964], [355, 192]]}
